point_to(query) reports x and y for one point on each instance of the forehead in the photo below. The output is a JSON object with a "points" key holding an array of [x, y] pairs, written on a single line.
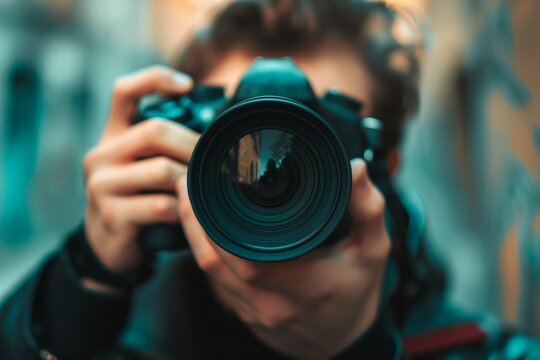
{"points": [[331, 65]]}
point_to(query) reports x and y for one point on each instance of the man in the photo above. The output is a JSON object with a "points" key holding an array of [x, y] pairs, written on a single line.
{"points": [[368, 296]]}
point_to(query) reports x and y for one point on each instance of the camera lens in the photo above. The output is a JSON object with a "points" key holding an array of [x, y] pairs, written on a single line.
{"points": [[269, 180], [264, 167]]}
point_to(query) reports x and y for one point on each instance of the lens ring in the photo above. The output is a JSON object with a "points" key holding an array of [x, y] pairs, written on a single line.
{"points": [[276, 226], [313, 222]]}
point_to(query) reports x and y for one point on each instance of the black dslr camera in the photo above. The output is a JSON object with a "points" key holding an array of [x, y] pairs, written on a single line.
{"points": [[270, 177]]}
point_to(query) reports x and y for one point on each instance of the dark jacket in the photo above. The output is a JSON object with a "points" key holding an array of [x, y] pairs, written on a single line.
{"points": [[175, 316]]}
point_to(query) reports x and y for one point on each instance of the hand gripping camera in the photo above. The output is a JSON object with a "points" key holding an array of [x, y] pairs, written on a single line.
{"points": [[270, 177]]}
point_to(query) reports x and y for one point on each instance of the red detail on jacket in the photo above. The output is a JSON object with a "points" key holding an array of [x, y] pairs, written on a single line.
{"points": [[443, 339]]}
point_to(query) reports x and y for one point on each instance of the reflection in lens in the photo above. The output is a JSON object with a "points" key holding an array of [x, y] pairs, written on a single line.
{"points": [[263, 165]]}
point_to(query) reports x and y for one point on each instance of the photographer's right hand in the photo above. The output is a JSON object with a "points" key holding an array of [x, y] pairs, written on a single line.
{"points": [[128, 164]]}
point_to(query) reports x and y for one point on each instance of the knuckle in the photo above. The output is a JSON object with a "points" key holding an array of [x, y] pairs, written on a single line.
{"points": [[276, 318], [94, 185], [159, 71], [109, 212], [154, 128], [378, 204], [89, 161], [163, 206], [121, 86], [269, 322], [211, 263], [164, 172], [248, 272], [372, 207], [369, 206], [247, 317]]}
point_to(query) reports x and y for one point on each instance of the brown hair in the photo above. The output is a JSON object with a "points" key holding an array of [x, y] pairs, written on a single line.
{"points": [[293, 26]]}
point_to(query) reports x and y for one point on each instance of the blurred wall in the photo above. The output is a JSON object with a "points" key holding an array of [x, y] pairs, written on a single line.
{"points": [[59, 60], [472, 153]]}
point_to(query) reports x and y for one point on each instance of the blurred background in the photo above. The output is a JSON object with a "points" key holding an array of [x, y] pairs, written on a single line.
{"points": [[471, 154]]}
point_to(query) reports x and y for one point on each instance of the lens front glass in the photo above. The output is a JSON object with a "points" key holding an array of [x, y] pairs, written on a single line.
{"points": [[264, 166], [269, 180]]}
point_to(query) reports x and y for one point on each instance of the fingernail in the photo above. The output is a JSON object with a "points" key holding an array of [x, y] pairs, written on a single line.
{"points": [[359, 175], [184, 186], [181, 79], [356, 162]]}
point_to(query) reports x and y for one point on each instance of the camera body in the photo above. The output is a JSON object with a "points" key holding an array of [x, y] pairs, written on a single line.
{"points": [[269, 179]]}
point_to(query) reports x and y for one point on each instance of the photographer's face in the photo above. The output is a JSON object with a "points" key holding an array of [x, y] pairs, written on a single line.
{"points": [[279, 292], [331, 65]]}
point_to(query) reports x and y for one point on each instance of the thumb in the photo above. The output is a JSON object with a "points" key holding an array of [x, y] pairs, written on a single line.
{"points": [[367, 204]]}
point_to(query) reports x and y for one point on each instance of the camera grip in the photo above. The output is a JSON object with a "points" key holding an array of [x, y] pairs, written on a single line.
{"points": [[160, 237]]}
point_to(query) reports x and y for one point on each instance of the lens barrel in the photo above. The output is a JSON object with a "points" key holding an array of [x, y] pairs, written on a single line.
{"points": [[269, 180]]}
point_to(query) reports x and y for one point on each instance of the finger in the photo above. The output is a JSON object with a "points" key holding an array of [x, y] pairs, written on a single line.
{"points": [[159, 173], [241, 296], [242, 269], [366, 209], [232, 272], [245, 270], [203, 250], [141, 210], [150, 138], [359, 173], [366, 206], [367, 202], [128, 90]]}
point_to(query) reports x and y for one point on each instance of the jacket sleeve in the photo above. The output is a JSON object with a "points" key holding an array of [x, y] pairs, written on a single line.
{"points": [[16, 340], [51, 313]]}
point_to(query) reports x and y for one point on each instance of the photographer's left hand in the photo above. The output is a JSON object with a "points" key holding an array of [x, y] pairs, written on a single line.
{"points": [[331, 293]]}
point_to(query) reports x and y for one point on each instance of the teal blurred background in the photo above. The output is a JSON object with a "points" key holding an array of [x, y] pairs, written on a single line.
{"points": [[57, 65], [471, 153]]}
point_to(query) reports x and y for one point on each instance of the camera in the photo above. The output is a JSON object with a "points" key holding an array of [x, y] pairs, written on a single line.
{"points": [[270, 177]]}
